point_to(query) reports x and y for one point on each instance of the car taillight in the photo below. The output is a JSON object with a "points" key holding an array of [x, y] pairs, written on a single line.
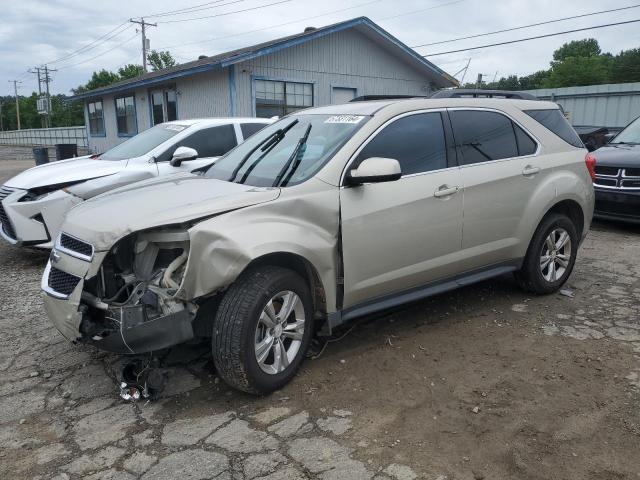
{"points": [[590, 161]]}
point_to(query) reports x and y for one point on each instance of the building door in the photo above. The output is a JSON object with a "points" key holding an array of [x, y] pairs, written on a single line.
{"points": [[163, 106], [342, 95]]}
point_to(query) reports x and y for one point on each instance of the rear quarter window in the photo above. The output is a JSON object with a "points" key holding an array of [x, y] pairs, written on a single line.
{"points": [[555, 121]]}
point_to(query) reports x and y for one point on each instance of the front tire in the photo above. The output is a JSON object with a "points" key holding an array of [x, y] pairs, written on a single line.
{"points": [[262, 329], [551, 255]]}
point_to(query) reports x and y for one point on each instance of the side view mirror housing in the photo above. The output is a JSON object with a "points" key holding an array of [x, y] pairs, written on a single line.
{"points": [[375, 170], [183, 154]]}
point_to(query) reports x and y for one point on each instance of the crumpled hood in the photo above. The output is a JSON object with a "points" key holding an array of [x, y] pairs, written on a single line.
{"points": [[105, 219], [618, 156], [65, 171]]}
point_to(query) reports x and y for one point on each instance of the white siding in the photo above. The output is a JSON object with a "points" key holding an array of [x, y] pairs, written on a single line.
{"points": [[203, 95], [344, 59]]}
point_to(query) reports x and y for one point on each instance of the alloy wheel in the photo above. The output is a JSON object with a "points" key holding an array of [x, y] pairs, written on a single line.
{"points": [[279, 332], [555, 255]]}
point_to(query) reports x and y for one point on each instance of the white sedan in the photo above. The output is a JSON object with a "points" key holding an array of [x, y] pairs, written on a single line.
{"points": [[33, 204]]}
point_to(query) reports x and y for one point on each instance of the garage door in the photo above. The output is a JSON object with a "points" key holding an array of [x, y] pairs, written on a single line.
{"points": [[342, 95]]}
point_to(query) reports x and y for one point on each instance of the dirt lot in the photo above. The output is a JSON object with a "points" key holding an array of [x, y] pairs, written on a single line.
{"points": [[486, 382]]}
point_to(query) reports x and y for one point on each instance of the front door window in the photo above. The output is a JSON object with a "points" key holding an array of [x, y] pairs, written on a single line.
{"points": [[163, 106]]}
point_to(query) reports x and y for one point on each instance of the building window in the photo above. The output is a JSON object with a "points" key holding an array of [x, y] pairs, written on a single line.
{"points": [[280, 98], [96, 118], [126, 116], [163, 106]]}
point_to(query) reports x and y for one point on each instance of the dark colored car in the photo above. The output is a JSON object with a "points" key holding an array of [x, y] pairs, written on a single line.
{"points": [[617, 182]]}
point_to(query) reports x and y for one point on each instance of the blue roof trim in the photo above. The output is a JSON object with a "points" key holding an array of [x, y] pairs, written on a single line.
{"points": [[273, 48], [147, 82]]}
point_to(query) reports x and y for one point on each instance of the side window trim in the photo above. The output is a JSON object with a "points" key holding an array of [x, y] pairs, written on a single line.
{"points": [[373, 135], [513, 122]]}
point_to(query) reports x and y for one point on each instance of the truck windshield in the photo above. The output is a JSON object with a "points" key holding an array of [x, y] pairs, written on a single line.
{"points": [[143, 143], [288, 152], [630, 135]]}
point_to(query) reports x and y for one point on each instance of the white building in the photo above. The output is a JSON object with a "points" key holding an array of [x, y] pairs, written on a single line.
{"points": [[317, 67]]}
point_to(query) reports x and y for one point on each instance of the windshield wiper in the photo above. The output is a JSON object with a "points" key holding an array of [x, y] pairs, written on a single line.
{"points": [[624, 143], [268, 143], [294, 160]]}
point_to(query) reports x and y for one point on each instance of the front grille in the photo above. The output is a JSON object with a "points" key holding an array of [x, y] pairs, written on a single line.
{"points": [[602, 170], [4, 219], [620, 178], [62, 282], [75, 245]]}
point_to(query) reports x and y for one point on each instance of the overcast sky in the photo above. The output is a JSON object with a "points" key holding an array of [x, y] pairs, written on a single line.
{"points": [[34, 32]]}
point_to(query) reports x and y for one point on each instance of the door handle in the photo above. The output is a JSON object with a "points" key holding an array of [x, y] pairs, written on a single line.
{"points": [[530, 170], [445, 191]]}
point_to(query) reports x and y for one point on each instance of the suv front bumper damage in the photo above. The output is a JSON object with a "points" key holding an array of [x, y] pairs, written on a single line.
{"points": [[73, 312]]}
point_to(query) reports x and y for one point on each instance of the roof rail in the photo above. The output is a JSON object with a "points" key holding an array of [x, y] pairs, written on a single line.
{"points": [[479, 93], [367, 98]]}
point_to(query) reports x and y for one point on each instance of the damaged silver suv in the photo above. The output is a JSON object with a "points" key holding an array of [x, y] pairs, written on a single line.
{"points": [[327, 215]]}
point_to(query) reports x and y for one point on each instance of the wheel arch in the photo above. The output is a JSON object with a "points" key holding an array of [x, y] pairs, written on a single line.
{"points": [[302, 267], [571, 209]]}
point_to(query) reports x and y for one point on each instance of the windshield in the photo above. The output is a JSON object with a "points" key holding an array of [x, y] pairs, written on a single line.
{"points": [[143, 143], [288, 152], [631, 134]]}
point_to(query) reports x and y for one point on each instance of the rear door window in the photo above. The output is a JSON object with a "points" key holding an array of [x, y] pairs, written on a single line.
{"points": [[249, 129], [416, 141], [555, 121], [483, 136], [208, 142]]}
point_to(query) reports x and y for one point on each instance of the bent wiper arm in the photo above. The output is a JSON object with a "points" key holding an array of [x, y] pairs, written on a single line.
{"points": [[295, 158], [271, 139]]}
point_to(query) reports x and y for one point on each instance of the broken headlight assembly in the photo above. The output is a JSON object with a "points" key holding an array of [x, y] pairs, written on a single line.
{"points": [[137, 283]]}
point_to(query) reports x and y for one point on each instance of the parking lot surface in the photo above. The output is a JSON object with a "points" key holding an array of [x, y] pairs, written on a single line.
{"points": [[482, 383]]}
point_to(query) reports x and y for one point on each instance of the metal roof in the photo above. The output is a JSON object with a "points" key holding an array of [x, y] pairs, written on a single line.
{"points": [[217, 62]]}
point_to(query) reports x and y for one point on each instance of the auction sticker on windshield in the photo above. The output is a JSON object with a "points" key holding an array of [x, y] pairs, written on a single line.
{"points": [[344, 119]]}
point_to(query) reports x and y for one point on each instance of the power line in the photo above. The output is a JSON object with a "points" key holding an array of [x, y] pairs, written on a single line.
{"points": [[227, 13], [421, 10], [193, 9], [99, 55], [527, 26], [533, 38], [90, 46], [272, 26]]}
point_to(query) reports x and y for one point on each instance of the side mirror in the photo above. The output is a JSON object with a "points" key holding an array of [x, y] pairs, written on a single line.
{"points": [[183, 154], [609, 136], [375, 170]]}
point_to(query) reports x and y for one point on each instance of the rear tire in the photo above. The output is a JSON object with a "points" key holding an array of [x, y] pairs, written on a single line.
{"points": [[550, 257], [254, 349]]}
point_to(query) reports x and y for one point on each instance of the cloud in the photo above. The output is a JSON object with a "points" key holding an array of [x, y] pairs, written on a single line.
{"points": [[33, 32]]}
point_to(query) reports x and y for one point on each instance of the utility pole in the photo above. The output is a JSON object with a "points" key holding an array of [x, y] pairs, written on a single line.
{"points": [[479, 81], [47, 79], [145, 42], [36, 70], [15, 90]]}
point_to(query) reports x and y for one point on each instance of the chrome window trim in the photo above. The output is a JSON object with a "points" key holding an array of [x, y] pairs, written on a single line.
{"points": [[44, 284], [382, 127], [72, 253]]}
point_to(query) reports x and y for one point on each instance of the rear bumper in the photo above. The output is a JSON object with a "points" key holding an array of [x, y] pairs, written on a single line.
{"points": [[617, 205]]}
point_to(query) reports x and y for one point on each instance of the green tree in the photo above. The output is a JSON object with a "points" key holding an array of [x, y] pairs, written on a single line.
{"points": [[533, 81], [625, 67], [130, 71], [579, 71], [98, 79], [160, 60], [588, 47]]}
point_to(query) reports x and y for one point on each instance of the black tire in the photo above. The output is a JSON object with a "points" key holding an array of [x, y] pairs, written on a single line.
{"points": [[530, 276], [234, 328]]}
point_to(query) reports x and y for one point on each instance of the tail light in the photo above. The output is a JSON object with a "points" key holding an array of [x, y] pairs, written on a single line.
{"points": [[590, 161]]}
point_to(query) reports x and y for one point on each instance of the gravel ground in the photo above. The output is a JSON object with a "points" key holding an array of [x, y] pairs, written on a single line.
{"points": [[485, 382]]}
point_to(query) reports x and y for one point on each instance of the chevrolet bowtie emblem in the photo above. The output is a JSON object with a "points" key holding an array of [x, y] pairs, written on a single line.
{"points": [[54, 257]]}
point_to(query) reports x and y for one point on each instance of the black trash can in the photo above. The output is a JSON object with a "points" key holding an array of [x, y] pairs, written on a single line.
{"points": [[66, 150], [41, 155]]}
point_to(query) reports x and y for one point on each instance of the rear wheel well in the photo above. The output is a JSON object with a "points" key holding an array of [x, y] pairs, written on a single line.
{"points": [[573, 210]]}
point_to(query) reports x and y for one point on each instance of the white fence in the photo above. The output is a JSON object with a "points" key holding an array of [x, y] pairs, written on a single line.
{"points": [[45, 136]]}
